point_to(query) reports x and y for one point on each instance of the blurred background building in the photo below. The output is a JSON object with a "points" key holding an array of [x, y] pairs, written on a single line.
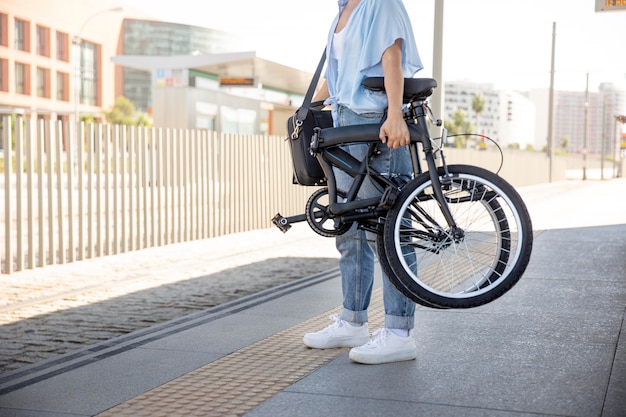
{"points": [[73, 58]]}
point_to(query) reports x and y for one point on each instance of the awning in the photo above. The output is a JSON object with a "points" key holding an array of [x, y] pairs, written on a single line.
{"points": [[239, 64]]}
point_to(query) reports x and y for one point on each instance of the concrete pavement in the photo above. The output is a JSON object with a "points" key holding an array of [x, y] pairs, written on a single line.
{"points": [[553, 346]]}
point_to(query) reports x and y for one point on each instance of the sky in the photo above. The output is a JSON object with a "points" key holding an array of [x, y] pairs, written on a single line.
{"points": [[507, 43]]}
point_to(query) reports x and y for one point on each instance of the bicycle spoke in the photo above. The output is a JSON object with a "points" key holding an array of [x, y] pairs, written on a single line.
{"points": [[464, 265]]}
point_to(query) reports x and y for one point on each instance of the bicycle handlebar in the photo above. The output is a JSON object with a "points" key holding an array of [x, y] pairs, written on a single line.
{"points": [[333, 136]]}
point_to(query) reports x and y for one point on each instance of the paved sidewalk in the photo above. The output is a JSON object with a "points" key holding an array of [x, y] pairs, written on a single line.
{"points": [[46, 312], [553, 346]]}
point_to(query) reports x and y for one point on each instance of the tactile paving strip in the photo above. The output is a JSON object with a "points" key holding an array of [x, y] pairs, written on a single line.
{"points": [[237, 383]]}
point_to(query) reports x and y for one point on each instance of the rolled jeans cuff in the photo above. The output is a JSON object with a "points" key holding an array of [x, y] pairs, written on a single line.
{"points": [[399, 322], [354, 316]]}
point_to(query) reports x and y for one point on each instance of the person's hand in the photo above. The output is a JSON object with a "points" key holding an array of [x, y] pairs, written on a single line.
{"points": [[394, 132]]}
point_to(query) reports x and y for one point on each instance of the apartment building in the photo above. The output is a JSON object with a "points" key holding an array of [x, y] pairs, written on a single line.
{"points": [[508, 117], [582, 120], [67, 59], [49, 48]]}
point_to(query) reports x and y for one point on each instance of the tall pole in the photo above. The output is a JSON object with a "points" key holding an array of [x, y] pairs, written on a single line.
{"points": [[620, 119], [603, 138], [438, 97], [616, 148], [551, 105], [585, 129]]}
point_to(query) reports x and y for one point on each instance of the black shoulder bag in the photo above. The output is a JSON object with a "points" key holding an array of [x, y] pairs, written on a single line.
{"points": [[306, 169]]}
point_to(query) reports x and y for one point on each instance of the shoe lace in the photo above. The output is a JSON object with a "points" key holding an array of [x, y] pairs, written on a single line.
{"points": [[379, 337], [338, 321]]}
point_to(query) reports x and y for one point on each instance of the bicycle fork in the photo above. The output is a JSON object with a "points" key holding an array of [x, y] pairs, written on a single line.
{"points": [[420, 114]]}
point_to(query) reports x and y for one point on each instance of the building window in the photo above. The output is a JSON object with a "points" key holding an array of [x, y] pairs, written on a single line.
{"points": [[22, 35], [63, 47], [4, 75], [4, 30], [43, 82], [63, 86], [88, 73], [43, 41], [22, 78]]}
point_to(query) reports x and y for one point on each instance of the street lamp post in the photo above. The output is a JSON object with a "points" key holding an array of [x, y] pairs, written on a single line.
{"points": [[585, 144], [619, 119]]}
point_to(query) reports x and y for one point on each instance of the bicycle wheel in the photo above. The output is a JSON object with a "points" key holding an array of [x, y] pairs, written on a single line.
{"points": [[466, 267], [385, 266]]}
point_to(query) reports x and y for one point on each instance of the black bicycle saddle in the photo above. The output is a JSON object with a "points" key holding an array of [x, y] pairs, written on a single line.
{"points": [[414, 88]]}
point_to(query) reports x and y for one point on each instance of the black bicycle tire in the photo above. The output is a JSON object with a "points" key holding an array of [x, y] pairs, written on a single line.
{"points": [[391, 275], [399, 284], [423, 295]]}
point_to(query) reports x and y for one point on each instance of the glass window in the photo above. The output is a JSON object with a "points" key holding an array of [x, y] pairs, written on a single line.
{"points": [[43, 41], [63, 47], [43, 82], [4, 30], [4, 75], [22, 78], [62, 86], [88, 71], [21, 35], [240, 121]]}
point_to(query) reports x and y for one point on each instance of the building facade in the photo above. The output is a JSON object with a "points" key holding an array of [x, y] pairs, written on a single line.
{"points": [[152, 38], [459, 97], [508, 117], [62, 65], [46, 52], [582, 121]]}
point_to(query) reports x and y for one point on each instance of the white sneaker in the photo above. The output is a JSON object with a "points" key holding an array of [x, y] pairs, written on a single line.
{"points": [[339, 334], [385, 347]]}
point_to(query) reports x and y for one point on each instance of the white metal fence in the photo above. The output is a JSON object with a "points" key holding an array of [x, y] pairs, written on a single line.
{"points": [[125, 189], [129, 188]]}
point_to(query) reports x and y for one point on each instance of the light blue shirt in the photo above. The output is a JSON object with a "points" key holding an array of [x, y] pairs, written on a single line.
{"points": [[373, 27]]}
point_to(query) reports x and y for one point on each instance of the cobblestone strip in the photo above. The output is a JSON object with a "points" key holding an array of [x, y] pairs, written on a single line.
{"points": [[52, 311]]}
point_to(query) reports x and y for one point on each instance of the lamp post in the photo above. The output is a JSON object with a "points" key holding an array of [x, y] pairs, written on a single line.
{"points": [[619, 119], [77, 42], [585, 129]]}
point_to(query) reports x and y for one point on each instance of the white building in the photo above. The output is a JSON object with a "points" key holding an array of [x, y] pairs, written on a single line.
{"points": [[508, 117], [570, 119], [517, 120]]}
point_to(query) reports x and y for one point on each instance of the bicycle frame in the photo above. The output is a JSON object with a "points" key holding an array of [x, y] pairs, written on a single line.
{"points": [[464, 261], [326, 146]]}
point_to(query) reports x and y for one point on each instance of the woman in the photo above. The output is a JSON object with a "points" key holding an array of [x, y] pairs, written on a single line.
{"points": [[369, 38]]}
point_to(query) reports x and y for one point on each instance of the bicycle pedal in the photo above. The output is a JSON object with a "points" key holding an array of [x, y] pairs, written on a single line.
{"points": [[389, 198], [281, 222]]}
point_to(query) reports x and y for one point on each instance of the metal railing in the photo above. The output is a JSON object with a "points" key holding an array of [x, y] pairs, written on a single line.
{"points": [[128, 188]]}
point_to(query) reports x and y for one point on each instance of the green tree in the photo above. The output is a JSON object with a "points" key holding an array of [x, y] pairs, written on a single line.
{"points": [[478, 106], [123, 113], [144, 120], [457, 126], [564, 142]]}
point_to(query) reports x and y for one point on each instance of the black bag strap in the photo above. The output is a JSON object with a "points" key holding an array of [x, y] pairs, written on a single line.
{"points": [[304, 109]]}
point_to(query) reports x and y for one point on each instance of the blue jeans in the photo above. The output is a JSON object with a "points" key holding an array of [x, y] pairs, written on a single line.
{"points": [[357, 247]]}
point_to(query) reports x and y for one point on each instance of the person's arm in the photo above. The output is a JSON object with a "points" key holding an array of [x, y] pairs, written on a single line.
{"points": [[322, 94], [394, 131]]}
